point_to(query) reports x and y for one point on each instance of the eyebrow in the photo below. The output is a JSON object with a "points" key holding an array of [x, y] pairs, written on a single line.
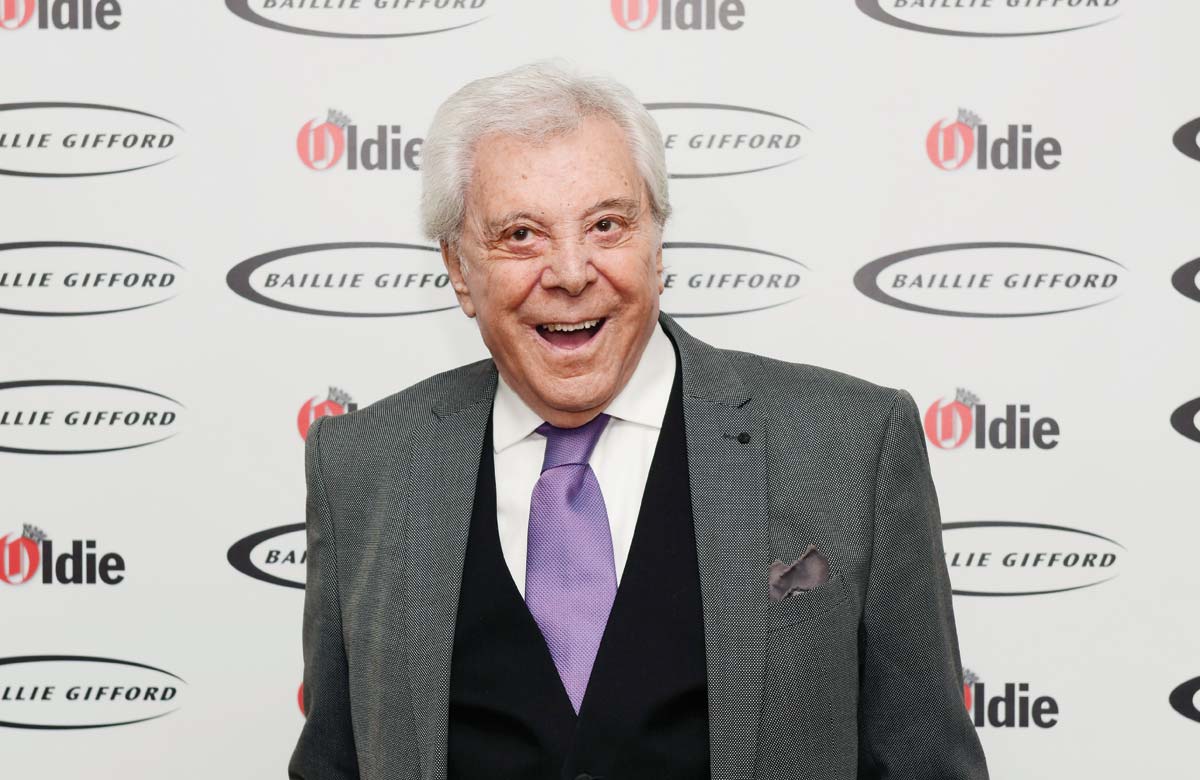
{"points": [[630, 207]]}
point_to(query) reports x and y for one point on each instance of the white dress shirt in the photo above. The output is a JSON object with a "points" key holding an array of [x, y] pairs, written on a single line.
{"points": [[621, 459]]}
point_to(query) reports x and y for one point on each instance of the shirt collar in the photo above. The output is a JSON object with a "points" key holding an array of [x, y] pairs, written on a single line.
{"points": [[643, 400]]}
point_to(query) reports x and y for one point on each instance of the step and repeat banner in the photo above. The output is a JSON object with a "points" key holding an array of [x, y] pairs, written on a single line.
{"points": [[210, 239]]}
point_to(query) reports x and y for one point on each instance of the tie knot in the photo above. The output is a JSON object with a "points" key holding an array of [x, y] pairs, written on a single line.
{"points": [[571, 445]]}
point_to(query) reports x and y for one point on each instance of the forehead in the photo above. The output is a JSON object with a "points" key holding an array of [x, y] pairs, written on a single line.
{"points": [[554, 177]]}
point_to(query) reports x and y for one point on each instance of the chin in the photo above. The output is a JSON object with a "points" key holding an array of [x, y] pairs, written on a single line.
{"points": [[577, 394]]}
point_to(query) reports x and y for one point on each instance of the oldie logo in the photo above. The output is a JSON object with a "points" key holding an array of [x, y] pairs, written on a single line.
{"points": [[322, 145], [706, 280], [1185, 139], [65, 692], [1006, 558], [1015, 708], [1183, 420], [74, 417], [335, 403], [991, 279], [1185, 701], [991, 18], [349, 279], [30, 556], [707, 140], [73, 278], [60, 14], [362, 18], [965, 421], [679, 14], [57, 140], [1186, 279], [277, 556], [967, 141]]}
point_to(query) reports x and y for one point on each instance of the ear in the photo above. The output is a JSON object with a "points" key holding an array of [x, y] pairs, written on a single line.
{"points": [[451, 258], [658, 268]]}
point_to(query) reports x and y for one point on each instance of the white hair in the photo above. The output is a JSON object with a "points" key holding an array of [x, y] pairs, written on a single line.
{"points": [[534, 101]]}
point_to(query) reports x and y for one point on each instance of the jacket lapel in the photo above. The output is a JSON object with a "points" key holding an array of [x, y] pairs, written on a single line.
{"points": [[729, 506], [441, 488], [726, 443]]}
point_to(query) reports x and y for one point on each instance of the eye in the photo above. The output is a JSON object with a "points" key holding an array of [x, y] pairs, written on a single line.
{"points": [[605, 225], [520, 234]]}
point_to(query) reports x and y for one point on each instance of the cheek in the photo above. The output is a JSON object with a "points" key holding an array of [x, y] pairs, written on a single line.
{"points": [[504, 289], [630, 270], [636, 280]]}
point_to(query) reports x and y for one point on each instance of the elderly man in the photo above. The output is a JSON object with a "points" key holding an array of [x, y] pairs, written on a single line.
{"points": [[612, 550]]}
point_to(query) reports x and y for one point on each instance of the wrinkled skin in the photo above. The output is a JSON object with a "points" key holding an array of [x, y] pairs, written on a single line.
{"points": [[560, 231]]}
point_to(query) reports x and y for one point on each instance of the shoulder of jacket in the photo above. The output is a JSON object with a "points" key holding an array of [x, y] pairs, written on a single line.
{"points": [[401, 410], [780, 381]]}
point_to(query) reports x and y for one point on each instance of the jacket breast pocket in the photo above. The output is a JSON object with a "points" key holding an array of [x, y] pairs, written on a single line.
{"points": [[806, 605]]}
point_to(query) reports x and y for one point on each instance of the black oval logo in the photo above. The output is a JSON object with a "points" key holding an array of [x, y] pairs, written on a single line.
{"points": [[1185, 279], [75, 278], [277, 563], [74, 417], [1183, 420], [57, 140], [709, 140], [329, 279], [71, 692], [1006, 558], [375, 20], [710, 280], [1007, 20], [1183, 699], [991, 279], [1185, 139]]}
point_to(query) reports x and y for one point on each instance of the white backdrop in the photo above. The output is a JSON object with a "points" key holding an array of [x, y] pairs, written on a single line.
{"points": [[850, 91]]}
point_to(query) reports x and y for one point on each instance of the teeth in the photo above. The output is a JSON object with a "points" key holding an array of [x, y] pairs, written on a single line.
{"points": [[565, 326]]}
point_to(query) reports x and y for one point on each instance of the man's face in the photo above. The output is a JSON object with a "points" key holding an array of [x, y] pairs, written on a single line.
{"points": [[561, 266]]}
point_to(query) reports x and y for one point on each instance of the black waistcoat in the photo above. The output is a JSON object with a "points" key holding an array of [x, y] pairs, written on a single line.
{"points": [[645, 712]]}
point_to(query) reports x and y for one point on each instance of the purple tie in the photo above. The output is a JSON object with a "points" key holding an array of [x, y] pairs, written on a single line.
{"points": [[570, 578]]}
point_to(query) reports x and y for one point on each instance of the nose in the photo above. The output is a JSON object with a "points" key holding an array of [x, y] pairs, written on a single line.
{"points": [[569, 267]]}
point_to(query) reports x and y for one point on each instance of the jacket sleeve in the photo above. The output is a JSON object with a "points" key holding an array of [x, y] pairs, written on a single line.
{"points": [[913, 724], [325, 750]]}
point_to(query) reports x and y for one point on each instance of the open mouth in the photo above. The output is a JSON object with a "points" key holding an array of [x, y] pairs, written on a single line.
{"points": [[570, 335]]}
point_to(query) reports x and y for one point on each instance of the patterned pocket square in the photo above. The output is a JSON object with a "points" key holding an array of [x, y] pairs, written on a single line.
{"points": [[805, 573]]}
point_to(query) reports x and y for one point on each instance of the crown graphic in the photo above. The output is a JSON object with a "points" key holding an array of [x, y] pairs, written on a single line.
{"points": [[968, 118], [337, 118], [33, 532], [340, 396], [969, 677], [965, 397]]}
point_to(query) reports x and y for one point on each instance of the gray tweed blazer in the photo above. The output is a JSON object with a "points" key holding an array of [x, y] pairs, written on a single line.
{"points": [[859, 677]]}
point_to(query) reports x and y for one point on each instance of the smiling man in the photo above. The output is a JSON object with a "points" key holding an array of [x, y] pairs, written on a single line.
{"points": [[612, 550]]}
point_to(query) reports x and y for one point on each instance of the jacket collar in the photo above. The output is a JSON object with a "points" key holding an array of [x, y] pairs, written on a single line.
{"points": [[726, 445]]}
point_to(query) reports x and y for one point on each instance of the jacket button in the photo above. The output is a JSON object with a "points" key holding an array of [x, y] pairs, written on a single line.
{"points": [[744, 437]]}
